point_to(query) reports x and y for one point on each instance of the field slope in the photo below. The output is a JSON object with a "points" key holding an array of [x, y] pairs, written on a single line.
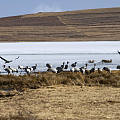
{"points": [[82, 25]]}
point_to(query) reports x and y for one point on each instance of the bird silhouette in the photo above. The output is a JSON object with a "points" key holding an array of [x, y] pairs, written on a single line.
{"points": [[7, 61], [17, 58]]}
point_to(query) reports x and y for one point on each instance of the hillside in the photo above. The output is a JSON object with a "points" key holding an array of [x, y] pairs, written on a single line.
{"points": [[83, 25]]}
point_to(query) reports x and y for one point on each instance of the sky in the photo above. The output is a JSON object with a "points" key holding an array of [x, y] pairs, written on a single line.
{"points": [[21, 7]]}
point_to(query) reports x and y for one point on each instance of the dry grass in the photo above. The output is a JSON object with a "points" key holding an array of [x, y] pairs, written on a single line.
{"points": [[34, 81], [63, 103], [67, 95], [88, 25]]}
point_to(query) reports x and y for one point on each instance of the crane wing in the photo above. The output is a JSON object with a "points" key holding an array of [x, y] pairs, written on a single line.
{"points": [[3, 59]]}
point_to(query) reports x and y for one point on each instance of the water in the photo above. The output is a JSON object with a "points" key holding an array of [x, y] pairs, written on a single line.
{"points": [[40, 53]]}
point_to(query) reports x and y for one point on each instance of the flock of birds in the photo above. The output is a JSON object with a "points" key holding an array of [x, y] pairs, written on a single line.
{"points": [[74, 68], [64, 67]]}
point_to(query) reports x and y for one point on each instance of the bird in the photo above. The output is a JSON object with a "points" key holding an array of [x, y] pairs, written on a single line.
{"points": [[61, 68], [21, 67], [81, 70], [86, 71], [63, 65], [74, 64], [34, 67], [76, 69], [48, 65], [86, 65], [93, 69], [118, 66], [8, 61], [66, 66], [50, 69], [17, 58], [118, 52], [8, 70], [99, 71], [28, 70], [13, 69], [106, 69]]}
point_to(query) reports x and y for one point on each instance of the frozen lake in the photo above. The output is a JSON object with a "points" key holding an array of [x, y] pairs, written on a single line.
{"points": [[57, 52]]}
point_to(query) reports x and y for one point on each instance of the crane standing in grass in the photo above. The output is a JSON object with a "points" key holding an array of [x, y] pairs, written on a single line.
{"points": [[34, 67], [50, 69], [13, 69], [106, 69], [7, 69], [28, 70], [61, 68], [66, 66]]}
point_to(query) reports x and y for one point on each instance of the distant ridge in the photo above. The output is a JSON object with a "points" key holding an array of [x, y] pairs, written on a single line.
{"points": [[81, 25]]}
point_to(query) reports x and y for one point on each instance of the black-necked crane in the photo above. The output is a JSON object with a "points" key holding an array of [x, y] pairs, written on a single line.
{"points": [[74, 68], [81, 70], [61, 68], [118, 52], [50, 69], [74, 64], [63, 65], [7, 69], [106, 69], [7, 61], [118, 67], [86, 71], [99, 71], [21, 67], [93, 69], [34, 67], [66, 66], [28, 70], [13, 69], [48, 65]]}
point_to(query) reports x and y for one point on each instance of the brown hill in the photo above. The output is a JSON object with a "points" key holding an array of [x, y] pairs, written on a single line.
{"points": [[83, 25]]}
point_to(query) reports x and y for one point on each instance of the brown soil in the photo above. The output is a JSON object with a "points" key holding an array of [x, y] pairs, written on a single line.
{"points": [[64, 103], [84, 25]]}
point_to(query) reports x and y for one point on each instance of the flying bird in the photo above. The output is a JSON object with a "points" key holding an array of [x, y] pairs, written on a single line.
{"points": [[17, 58], [8, 61]]}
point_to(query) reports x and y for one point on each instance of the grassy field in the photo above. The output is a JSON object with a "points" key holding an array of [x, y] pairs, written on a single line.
{"points": [[63, 103], [81, 25], [63, 96]]}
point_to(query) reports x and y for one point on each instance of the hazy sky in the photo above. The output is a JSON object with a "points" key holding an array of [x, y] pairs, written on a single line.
{"points": [[19, 7]]}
